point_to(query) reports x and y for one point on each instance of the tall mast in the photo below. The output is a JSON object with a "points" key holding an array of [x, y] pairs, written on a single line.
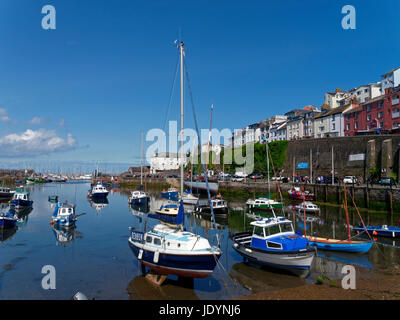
{"points": [[269, 188], [209, 138], [141, 159], [181, 133]]}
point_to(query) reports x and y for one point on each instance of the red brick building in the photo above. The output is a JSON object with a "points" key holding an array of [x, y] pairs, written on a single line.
{"points": [[381, 113]]}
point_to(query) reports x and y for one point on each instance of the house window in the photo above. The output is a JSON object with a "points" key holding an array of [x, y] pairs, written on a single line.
{"points": [[333, 126], [366, 90], [369, 108], [348, 126], [369, 117], [380, 114], [348, 117], [396, 125], [356, 115], [356, 125], [358, 93], [380, 104], [381, 124]]}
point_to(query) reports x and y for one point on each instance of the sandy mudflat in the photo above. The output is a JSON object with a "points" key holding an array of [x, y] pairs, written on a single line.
{"points": [[369, 286]]}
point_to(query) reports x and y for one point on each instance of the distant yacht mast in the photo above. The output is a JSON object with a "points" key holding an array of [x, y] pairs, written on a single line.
{"points": [[181, 50]]}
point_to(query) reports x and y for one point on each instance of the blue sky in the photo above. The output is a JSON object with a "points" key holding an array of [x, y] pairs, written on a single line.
{"points": [[105, 73]]}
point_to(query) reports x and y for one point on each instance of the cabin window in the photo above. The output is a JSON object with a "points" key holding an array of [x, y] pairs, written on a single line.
{"points": [[179, 245], [168, 244], [149, 239], [286, 227], [157, 241], [272, 230], [274, 245], [259, 231]]}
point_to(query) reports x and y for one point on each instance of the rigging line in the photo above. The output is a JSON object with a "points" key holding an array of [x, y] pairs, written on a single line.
{"points": [[201, 156], [171, 92]]}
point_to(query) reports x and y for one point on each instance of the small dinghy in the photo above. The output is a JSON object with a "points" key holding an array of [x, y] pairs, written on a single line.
{"points": [[189, 198], [264, 203], [53, 198], [348, 245], [307, 206], [297, 194], [220, 206]]}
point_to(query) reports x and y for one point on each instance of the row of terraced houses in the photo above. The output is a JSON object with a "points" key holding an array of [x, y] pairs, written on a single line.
{"points": [[368, 109]]}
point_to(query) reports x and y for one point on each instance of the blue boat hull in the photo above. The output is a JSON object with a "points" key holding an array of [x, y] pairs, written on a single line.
{"points": [[99, 195], [391, 232], [21, 203], [343, 247], [192, 266], [169, 194], [7, 223], [138, 201]]}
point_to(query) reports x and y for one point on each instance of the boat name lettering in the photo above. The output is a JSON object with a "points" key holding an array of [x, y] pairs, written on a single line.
{"points": [[137, 236]]}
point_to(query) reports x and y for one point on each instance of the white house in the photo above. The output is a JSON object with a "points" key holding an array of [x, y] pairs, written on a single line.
{"points": [[390, 79], [295, 128], [365, 92], [166, 161], [336, 98], [277, 132]]}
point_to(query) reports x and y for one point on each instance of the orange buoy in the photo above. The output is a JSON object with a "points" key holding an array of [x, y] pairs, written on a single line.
{"points": [[375, 233]]}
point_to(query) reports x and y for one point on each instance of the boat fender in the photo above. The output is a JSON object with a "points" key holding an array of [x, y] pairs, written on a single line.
{"points": [[140, 254], [248, 250], [156, 256]]}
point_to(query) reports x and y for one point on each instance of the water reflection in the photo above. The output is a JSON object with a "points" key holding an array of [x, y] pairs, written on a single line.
{"points": [[139, 288], [99, 204], [6, 234], [65, 236]]}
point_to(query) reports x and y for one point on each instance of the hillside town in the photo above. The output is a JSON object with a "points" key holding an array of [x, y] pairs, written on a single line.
{"points": [[368, 109]]}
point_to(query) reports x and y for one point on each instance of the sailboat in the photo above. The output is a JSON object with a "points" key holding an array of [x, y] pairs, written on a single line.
{"points": [[265, 202], [169, 249], [139, 197], [187, 196], [341, 245]]}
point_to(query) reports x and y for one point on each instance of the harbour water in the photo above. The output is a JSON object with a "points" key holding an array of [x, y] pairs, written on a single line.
{"points": [[95, 258]]}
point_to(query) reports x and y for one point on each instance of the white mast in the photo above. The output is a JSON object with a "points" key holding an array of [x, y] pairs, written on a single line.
{"points": [[141, 160], [181, 133]]}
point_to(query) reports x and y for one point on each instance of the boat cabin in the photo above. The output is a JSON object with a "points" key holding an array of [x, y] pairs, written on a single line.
{"points": [[275, 234], [65, 210], [21, 196]]}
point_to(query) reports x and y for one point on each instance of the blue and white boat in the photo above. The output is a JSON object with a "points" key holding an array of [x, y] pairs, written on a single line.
{"points": [[170, 193], [98, 191], [273, 243], [7, 220], [168, 249], [383, 231], [21, 199], [64, 215], [138, 197]]}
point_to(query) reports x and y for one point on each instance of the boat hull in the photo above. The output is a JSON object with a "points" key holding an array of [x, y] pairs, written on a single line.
{"points": [[7, 222], [138, 201], [296, 262], [170, 194], [207, 210], [201, 185], [379, 231], [99, 195], [307, 197], [342, 246], [267, 207], [19, 204], [185, 265]]}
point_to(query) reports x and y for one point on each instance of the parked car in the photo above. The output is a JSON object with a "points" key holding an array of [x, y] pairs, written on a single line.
{"points": [[237, 179], [350, 179], [387, 181]]}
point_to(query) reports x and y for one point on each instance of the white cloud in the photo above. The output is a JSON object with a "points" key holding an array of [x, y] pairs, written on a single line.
{"points": [[37, 121], [34, 143], [4, 115]]}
